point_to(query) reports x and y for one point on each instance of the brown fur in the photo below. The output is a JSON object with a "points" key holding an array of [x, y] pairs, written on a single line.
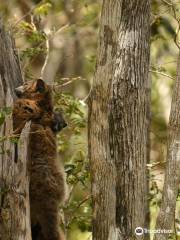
{"points": [[47, 178], [23, 111], [37, 90]]}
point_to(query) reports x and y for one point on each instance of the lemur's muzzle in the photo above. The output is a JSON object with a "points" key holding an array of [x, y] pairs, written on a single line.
{"points": [[19, 91]]}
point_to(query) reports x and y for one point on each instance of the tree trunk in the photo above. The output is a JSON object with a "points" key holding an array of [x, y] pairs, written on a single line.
{"points": [[103, 169], [166, 215], [14, 182], [129, 120], [119, 120]]}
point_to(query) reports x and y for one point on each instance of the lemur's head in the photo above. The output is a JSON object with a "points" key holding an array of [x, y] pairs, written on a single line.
{"points": [[36, 90], [38, 95], [24, 110]]}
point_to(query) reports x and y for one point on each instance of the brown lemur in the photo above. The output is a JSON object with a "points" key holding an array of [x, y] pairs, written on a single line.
{"points": [[47, 177]]}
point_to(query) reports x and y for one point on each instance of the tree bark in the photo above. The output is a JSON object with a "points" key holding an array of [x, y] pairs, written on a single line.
{"points": [[14, 182], [103, 169], [119, 120], [129, 119], [166, 215]]}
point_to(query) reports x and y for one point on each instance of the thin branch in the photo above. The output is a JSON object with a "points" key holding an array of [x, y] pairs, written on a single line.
{"points": [[15, 135], [57, 86], [83, 201], [162, 73], [78, 206], [88, 95], [25, 15], [49, 38], [168, 3], [171, 4], [152, 165], [176, 35]]}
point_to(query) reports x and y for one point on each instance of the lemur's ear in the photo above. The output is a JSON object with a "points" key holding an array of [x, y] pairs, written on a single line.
{"points": [[40, 86]]}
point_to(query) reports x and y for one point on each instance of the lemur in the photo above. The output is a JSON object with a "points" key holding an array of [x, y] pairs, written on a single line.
{"points": [[47, 177]]}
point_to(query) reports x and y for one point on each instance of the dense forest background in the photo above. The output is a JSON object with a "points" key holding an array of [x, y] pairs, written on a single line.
{"points": [[63, 36]]}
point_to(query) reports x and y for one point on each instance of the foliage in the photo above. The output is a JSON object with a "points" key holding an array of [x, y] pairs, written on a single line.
{"points": [[78, 209], [3, 112], [43, 9]]}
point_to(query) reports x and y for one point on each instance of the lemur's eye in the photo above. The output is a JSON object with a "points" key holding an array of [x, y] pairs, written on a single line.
{"points": [[28, 109]]}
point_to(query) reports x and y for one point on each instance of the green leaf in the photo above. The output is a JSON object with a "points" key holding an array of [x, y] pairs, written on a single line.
{"points": [[43, 9], [69, 168], [14, 139], [7, 110], [2, 118]]}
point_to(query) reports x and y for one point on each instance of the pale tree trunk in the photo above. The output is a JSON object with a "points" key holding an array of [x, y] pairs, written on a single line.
{"points": [[103, 169], [119, 121], [166, 217], [14, 182], [129, 120]]}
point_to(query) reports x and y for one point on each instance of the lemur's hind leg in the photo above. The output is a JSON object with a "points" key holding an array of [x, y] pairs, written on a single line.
{"points": [[36, 231], [49, 222]]}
